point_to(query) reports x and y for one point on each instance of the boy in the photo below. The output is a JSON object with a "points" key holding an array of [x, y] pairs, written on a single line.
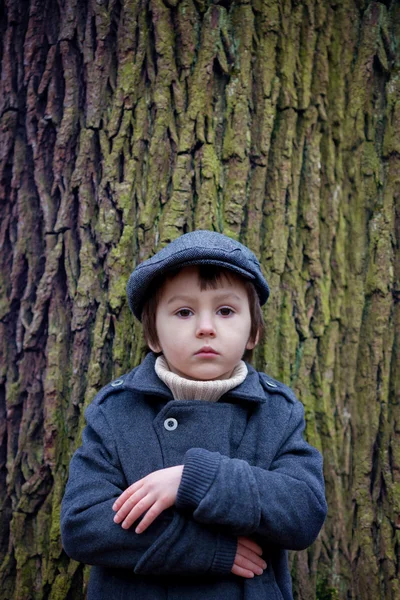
{"points": [[193, 479]]}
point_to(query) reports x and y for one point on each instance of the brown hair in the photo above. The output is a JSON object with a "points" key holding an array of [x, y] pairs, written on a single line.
{"points": [[209, 278]]}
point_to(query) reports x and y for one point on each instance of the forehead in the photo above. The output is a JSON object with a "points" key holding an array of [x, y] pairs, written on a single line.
{"points": [[189, 278]]}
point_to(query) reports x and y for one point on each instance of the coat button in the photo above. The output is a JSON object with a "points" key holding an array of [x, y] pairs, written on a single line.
{"points": [[170, 424], [117, 382], [271, 383]]}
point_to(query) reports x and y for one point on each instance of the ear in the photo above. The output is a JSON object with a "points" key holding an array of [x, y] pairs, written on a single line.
{"points": [[154, 347], [252, 344]]}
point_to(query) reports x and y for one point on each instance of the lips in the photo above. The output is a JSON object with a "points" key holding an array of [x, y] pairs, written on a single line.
{"points": [[207, 350]]}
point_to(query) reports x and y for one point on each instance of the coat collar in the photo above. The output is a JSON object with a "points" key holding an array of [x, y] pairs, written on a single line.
{"points": [[144, 379]]}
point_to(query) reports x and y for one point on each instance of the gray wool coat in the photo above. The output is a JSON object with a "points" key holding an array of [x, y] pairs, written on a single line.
{"points": [[247, 471]]}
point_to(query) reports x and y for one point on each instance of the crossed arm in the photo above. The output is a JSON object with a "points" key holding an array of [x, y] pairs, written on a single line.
{"points": [[285, 504], [157, 492], [225, 502], [172, 543]]}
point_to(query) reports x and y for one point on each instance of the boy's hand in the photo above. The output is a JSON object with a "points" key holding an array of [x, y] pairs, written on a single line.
{"points": [[154, 493], [248, 559]]}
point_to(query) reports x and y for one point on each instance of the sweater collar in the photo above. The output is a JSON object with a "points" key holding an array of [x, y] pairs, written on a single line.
{"points": [[145, 379], [211, 391]]}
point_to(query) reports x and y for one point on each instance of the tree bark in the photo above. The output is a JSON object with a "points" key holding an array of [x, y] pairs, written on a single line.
{"points": [[125, 123]]}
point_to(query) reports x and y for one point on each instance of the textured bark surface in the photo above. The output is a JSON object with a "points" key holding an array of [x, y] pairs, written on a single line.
{"points": [[123, 124]]}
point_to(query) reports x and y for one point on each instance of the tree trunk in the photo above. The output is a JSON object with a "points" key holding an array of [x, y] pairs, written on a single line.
{"points": [[125, 123]]}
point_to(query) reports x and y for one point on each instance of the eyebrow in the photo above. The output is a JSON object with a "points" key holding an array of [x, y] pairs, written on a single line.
{"points": [[191, 298]]}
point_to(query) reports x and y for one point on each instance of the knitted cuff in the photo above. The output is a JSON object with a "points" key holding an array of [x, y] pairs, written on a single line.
{"points": [[200, 468], [225, 554]]}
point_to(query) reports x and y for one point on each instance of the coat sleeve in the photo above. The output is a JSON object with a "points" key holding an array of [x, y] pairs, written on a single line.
{"points": [[172, 544], [285, 504]]}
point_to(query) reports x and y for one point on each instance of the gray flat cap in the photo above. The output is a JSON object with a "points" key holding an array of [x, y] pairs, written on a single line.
{"points": [[196, 248]]}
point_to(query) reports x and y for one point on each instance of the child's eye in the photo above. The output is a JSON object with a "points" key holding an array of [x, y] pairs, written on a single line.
{"points": [[226, 311], [184, 312]]}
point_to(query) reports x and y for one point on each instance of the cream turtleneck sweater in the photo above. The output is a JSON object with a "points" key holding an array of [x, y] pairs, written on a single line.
{"points": [[189, 389]]}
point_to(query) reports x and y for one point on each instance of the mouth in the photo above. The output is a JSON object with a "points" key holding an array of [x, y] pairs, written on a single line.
{"points": [[207, 351]]}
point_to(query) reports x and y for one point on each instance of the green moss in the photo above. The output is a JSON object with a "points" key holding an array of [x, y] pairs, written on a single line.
{"points": [[124, 339], [291, 19], [380, 272], [60, 587], [119, 266], [325, 591], [308, 38], [321, 316], [13, 391], [288, 339], [370, 163], [55, 527], [391, 143]]}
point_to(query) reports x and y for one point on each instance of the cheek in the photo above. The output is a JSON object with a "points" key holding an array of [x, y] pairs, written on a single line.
{"points": [[244, 327], [169, 331], [161, 332]]}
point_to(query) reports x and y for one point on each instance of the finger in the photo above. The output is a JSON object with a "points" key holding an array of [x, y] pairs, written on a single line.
{"points": [[244, 551], [242, 572], [127, 493], [248, 565], [129, 504], [249, 555], [138, 510], [154, 511], [250, 544]]}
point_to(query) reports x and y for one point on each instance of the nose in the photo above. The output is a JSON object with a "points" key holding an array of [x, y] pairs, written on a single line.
{"points": [[205, 326]]}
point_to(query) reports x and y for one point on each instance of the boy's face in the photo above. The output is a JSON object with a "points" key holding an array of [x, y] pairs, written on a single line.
{"points": [[189, 319]]}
